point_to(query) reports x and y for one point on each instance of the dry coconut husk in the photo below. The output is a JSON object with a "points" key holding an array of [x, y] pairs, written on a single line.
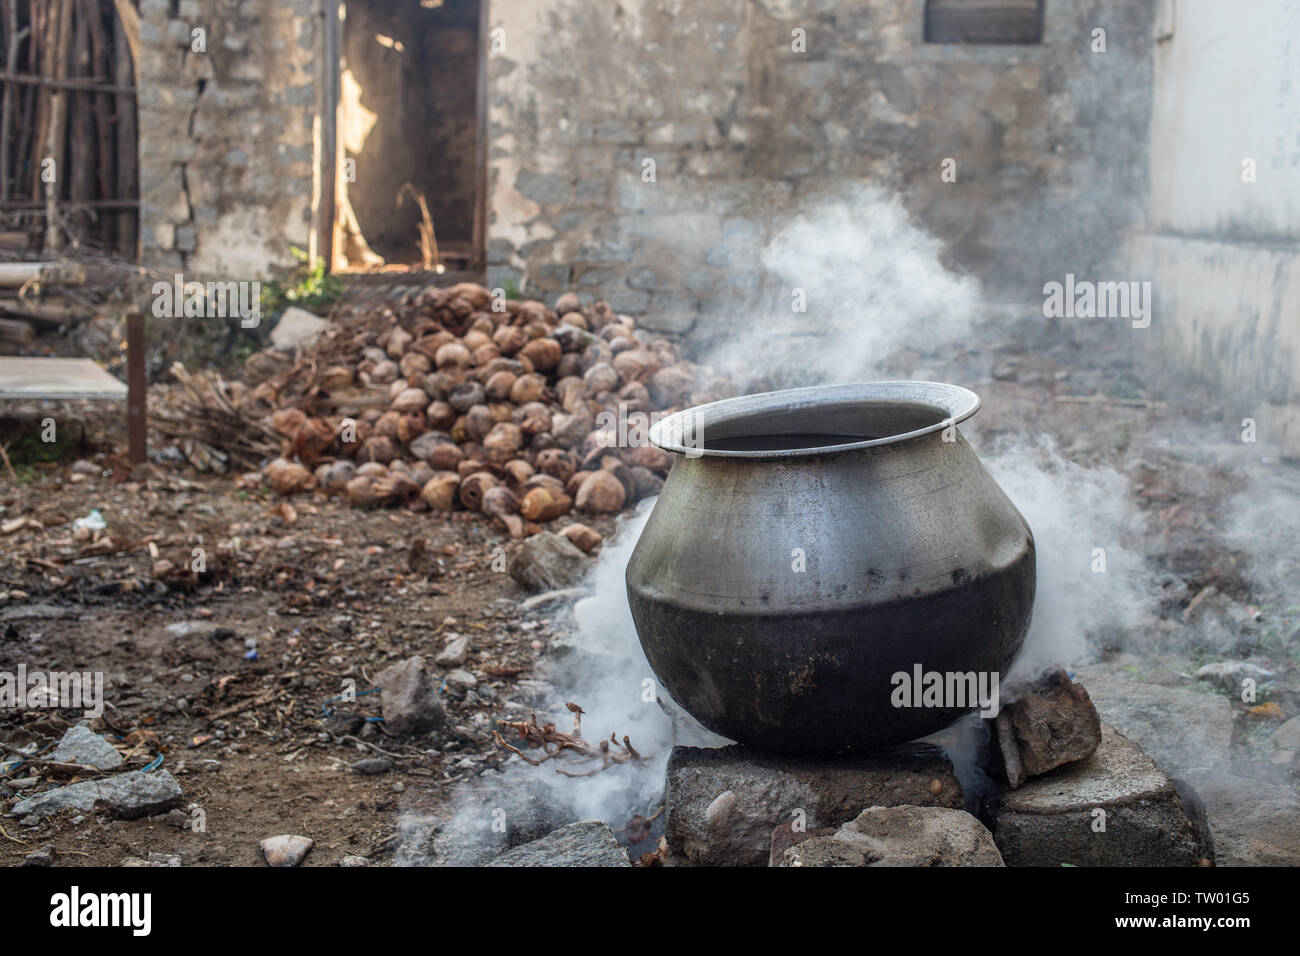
{"points": [[544, 504], [445, 398]]}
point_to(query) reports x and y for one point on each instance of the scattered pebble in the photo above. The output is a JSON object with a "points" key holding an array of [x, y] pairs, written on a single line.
{"points": [[286, 849]]}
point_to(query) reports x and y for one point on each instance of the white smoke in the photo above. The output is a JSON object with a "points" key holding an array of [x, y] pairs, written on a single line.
{"points": [[847, 283], [1090, 581], [601, 668], [874, 284]]}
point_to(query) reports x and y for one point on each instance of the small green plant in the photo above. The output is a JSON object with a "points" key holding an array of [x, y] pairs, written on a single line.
{"points": [[307, 284], [511, 287]]}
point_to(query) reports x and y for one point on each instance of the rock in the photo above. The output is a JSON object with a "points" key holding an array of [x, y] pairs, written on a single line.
{"points": [[1254, 823], [1058, 818], [587, 843], [343, 723], [1006, 370], [496, 822], [286, 850], [546, 562], [152, 860], [1188, 733], [786, 836], [705, 828], [1287, 736], [81, 745], [901, 836], [178, 819], [1230, 676], [372, 765], [454, 654], [297, 328], [550, 597], [42, 857], [1194, 807], [1222, 623], [129, 795], [461, 679], [1051, 723], [352, 860], [410, 698]]}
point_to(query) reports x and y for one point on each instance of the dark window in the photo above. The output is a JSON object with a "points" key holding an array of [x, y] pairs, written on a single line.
{"points": [[984, 21]]}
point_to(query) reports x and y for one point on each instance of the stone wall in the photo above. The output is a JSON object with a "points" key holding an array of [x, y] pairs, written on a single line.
{"points": [[226, 154], [1049, 140]]}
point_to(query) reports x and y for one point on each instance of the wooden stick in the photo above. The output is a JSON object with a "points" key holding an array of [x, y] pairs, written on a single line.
{"points": [[16, 332], [1105, 400], [81, 168], [15, 38], [126, 56], [57, 135], [4, 454], [137, 420], [90, 84], [246, 705], [14, 275], [42, 42], [46, 313], [106, 161]]}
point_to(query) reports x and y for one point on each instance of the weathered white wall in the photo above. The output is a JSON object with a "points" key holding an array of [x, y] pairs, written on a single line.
{"points": [[1224, 254], [1228, 90]]}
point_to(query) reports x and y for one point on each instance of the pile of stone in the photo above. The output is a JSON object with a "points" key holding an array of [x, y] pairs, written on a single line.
{"points": [[1049, 784], [1056, 786], [125, 794], [451, 399]]}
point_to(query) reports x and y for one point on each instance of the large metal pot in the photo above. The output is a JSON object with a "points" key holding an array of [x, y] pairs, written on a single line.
{"points": [[809, 546]]}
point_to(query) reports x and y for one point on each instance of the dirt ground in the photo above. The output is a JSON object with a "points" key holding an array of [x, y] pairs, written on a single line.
{"points": [[322, 599], [231, 674]]}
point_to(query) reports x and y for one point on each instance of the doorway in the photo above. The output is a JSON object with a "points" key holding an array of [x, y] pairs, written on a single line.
{"points": [[411, 124]]}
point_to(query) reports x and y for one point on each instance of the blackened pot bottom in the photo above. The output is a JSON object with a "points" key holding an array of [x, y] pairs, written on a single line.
{"points": [[823, 683]]}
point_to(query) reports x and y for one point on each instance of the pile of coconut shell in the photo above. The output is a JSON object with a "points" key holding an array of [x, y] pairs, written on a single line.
{"points": [[450, 400]]}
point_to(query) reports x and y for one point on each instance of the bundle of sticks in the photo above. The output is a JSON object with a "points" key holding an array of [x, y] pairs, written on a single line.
{"points": [[68, 122], [210, 421], [554, 743]]}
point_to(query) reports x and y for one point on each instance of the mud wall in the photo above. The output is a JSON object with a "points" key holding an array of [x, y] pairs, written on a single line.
{"points": [[226, 118], [749, 108]]}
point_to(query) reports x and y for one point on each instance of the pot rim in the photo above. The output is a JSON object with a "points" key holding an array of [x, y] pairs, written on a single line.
{"points": [[672, 433]]}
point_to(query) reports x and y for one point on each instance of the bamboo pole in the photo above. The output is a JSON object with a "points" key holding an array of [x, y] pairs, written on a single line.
{"points": [[126, 43], [14, 38], [106, 154], [14, 275], [88, 84], [81, 132], [57, 135], [42, 41]]}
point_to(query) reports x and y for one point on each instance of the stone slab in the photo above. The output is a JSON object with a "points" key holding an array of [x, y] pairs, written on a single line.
{"points": [[900, 836], [55, 379], [586, 843], [1054, 819], [724, 803]]}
